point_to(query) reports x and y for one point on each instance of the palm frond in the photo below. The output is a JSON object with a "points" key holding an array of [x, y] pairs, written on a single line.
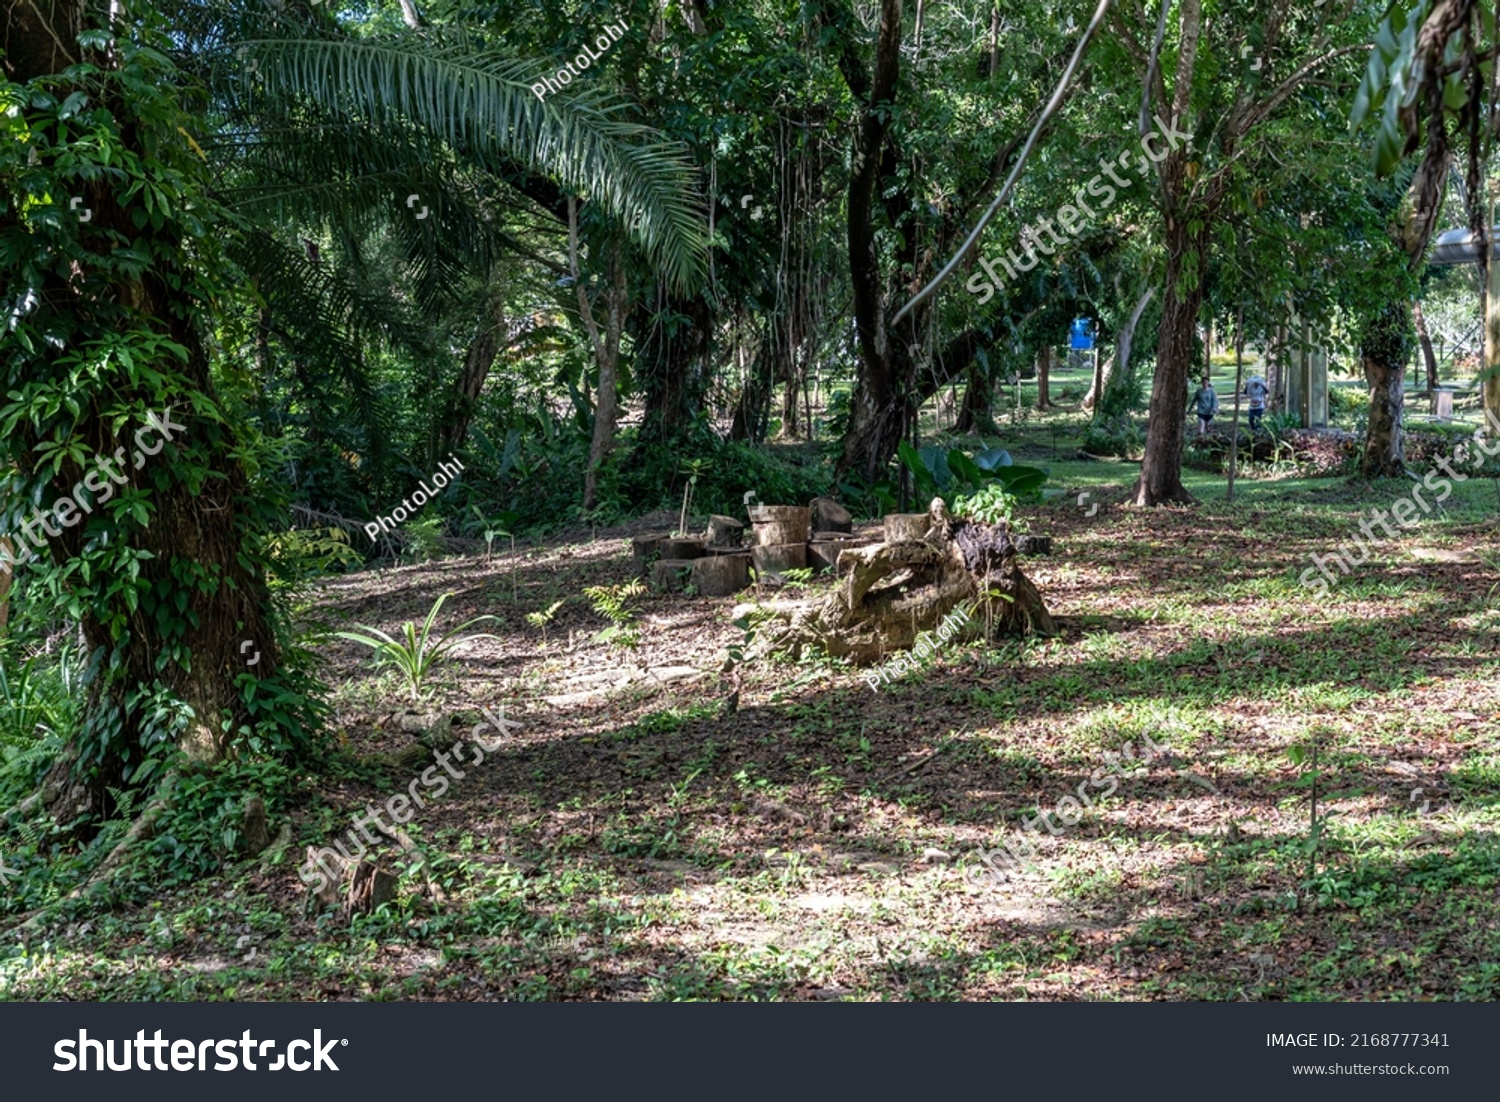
{"points": [[481, 106]]}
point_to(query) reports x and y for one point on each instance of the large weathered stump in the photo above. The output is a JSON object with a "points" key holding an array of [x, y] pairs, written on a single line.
{"points": [[901, 588]]}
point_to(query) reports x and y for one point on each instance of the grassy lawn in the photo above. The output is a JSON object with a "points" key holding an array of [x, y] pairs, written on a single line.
{"points": [[634, 841]]}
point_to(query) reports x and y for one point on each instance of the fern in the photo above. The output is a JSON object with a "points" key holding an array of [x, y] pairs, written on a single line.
{"points": [[609, 601]]}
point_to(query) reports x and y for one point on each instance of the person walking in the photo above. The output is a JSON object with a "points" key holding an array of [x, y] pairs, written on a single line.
{"points": [[1256, 391], [1206, 402]]}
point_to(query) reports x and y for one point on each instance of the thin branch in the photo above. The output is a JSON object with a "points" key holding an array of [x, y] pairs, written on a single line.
{"points": [[1052, 105]]}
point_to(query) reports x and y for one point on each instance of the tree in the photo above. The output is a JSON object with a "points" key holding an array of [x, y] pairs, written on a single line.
{"points": [[1208, 123], [109, 318]]}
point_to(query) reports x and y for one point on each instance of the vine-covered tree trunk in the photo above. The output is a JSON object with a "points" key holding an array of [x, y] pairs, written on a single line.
{"points": [[169, 635]]}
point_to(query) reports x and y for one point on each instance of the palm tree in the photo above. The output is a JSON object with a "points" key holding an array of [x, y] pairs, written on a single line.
{"points": [[305, 120]]}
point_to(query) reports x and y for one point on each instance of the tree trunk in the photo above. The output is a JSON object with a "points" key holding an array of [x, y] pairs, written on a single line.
{"points": [[977, 412], [672, 366], [200, 537], [1043, 370], [1426, 342], [607, 353], [752, 408], [6, 578], [478, 361], [1119, 379], [1161, 469], [883, 406], [1385, 347]]}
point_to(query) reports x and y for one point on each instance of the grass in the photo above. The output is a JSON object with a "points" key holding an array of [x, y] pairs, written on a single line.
{"points": [[637, 842]]}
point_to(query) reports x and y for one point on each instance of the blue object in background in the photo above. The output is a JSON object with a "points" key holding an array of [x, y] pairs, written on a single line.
{"points": [[1081, 333]]}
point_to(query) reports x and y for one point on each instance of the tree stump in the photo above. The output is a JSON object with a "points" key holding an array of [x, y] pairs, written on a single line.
{"points": [[670, 575], [724, 532], [777, 525], [681, 547], [823, 549], [356, 887], [721, 575], [829, 516], [906, 526], [901, 588], [772, 559], [645, 550]]}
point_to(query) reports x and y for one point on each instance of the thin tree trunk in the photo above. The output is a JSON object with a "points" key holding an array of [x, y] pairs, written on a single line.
{"points": [[6, 577], [1426, 342], [606, 353], [1239, 381], [1119, 377], [1043, 372], [478, 361]]}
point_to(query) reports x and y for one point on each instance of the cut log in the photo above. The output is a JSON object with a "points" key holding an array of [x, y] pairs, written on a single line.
{"points": [[682, 547], [901, 589], [721, 575], [823, 554], [906, 526], [645, 550], [771, 560], [723, 532], [829, 516], [778, 525], [670, 575]]}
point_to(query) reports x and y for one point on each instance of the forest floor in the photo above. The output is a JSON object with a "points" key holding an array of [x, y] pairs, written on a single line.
{"points": [[633, 841]]}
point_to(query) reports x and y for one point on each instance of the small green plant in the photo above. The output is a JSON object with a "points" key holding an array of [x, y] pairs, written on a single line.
{"points": [[692, 468], [609, 601], [300, 555], [419, 653], [797, 577], [492, 529], [426, 537], [543, 619], [990, 504], [1308, 778]]}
